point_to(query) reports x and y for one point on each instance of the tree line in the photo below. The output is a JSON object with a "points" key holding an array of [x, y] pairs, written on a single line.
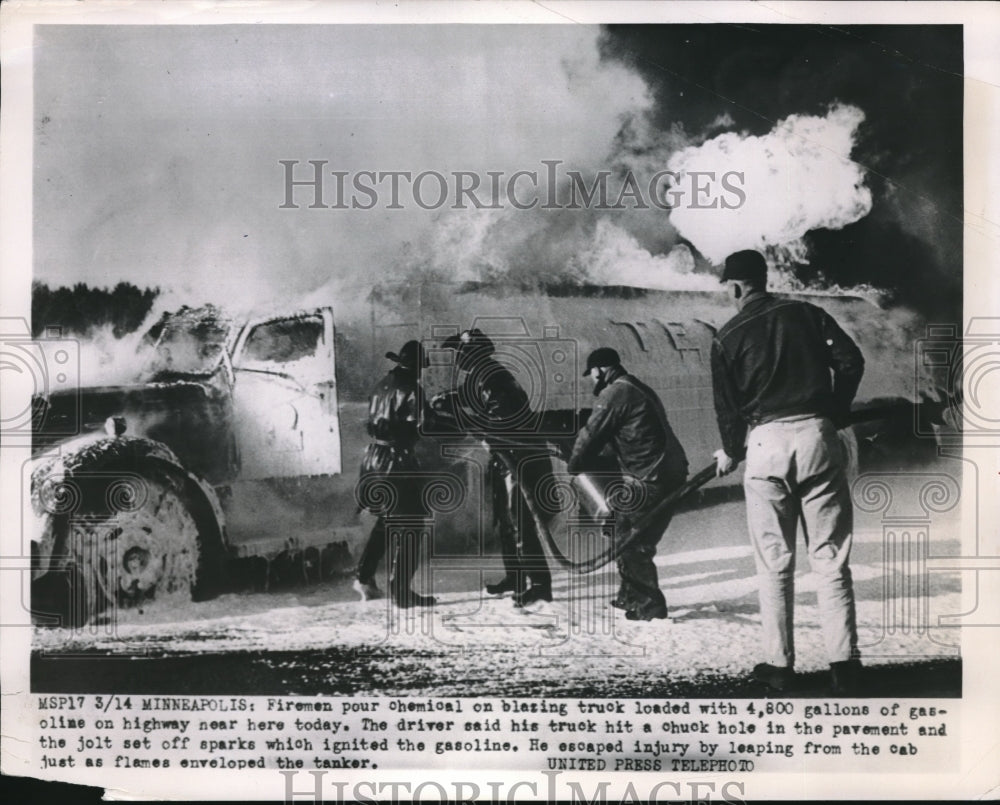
{"points": [[80, 309]]}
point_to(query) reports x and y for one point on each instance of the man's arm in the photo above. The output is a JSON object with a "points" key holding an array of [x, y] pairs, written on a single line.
{"points": [[373, 406], [409, 415], [732, 426], [596, 433], [425, 414], [503, 398], [847, 363]]}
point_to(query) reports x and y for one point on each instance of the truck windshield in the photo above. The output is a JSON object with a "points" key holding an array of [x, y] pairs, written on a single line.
{"points": [[189, 342]]}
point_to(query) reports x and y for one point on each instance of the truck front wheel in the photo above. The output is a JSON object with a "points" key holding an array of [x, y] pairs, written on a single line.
{"points": [[134, 539]]}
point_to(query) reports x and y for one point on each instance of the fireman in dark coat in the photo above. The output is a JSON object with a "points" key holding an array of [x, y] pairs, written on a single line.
{"points": [[394, 414], [494, 404], [628, 420]]}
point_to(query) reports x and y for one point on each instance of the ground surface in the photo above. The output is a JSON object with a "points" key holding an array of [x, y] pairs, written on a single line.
{"points": [[320, 639]]}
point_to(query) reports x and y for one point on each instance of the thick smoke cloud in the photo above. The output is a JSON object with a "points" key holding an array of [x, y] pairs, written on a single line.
{"points": [[157, 154], [158, 147], [905, 80]]}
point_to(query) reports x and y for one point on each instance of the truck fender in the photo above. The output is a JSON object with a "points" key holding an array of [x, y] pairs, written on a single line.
{"points": [[122, 452]]}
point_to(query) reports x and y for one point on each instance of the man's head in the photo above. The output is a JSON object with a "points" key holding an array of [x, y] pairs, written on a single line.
{"points": [[473, 347], [745, 272], [599, 362], [470, 347], [411, 357]]}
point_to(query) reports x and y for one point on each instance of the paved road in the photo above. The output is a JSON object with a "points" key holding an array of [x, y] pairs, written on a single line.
{"points": [[403, 673]]}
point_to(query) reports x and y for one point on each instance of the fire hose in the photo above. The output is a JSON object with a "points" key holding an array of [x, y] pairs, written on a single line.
{"points": [[659, 514], [617, 544]]}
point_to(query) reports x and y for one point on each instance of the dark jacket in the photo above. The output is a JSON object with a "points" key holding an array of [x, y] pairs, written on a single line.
{"points": [[394, 415], [495, 401], [629, 416], [774, 359]]}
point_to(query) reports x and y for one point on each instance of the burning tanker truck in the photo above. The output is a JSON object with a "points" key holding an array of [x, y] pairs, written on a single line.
{"points": [[243, 440]]}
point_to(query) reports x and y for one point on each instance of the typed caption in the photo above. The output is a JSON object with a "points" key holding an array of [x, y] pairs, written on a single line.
{"points": [[739, 736]]}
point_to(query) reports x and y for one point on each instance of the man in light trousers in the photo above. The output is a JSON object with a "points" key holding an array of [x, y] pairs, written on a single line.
{"points": [[783, 374]]}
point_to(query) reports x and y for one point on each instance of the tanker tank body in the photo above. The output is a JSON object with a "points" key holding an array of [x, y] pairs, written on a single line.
{"points": [[664, 337]]}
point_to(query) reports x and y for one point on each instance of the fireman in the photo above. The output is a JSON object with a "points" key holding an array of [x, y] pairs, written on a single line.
{"points": [[394, 414], [628, 418], [493, 404]]}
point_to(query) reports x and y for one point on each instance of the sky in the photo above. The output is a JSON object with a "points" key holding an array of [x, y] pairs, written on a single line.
{"points": [[158, 148]]}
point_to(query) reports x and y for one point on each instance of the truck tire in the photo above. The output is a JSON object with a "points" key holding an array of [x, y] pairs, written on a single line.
{"points": [[132, 539]]}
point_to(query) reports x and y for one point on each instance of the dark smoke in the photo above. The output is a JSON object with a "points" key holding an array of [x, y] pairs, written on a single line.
{"points": [[908, 82]]}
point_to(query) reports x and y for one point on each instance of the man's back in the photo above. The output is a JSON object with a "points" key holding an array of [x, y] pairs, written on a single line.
{"points": [[495, 399], [774, 358], [646, 434], [629, 415]]}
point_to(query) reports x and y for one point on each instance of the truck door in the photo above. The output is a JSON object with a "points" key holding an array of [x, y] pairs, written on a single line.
{"points": [[285, 397]]}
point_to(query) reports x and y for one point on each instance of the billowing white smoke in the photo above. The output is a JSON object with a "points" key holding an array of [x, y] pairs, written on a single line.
{"points": [[204, 218], [107, 361], [615, 257], [462, 245], [796, 178], [486, 244]]}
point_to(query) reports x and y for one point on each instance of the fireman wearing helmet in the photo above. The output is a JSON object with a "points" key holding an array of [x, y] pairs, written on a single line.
{"points": [[395, 410], [494, 405]]}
